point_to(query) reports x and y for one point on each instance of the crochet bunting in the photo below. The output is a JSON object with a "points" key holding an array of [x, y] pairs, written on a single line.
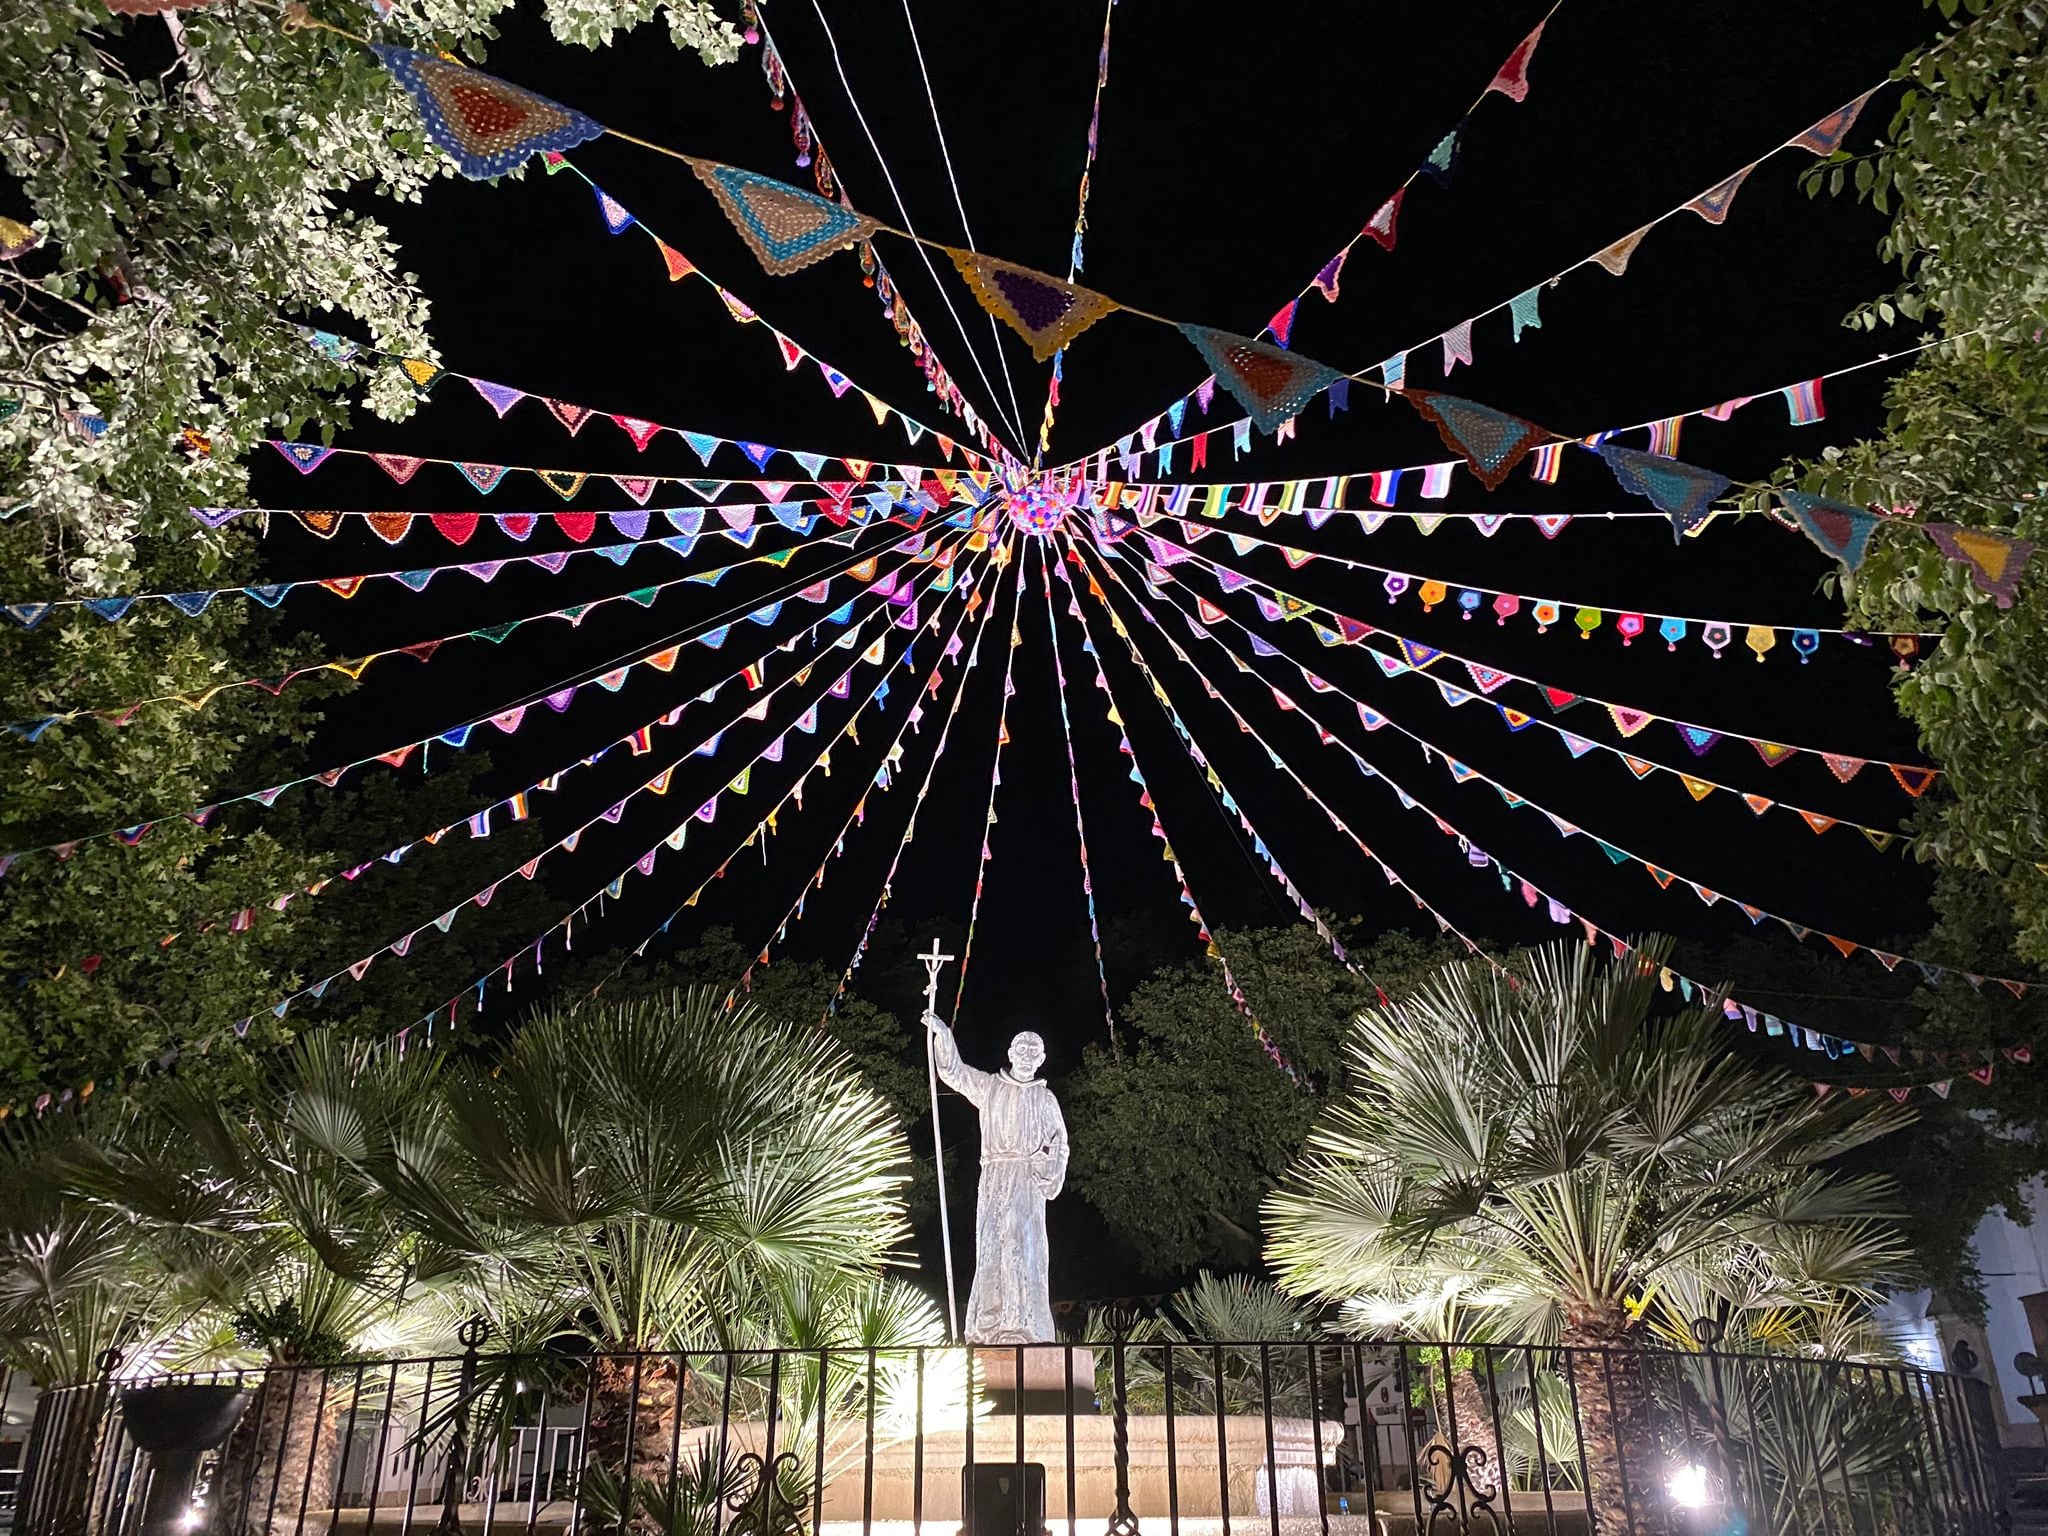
{"points": [[1512, 79], [1491, 442], [1994, 559], [486, 125], [1840, 530], [1683, 492], [1615, 257], [785, 227], [1712, 204], [1045, 311], [1825, 136], [1270, 383], [1382, 225]]}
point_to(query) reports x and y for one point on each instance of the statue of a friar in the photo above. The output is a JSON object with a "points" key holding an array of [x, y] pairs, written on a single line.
{"points": [[1023, 1165]]}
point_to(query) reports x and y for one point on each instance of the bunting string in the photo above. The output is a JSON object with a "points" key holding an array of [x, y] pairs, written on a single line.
{"points": [[1562, 614], [643, 864], [811, 152], [995, 782], [1697, 787], [573, 417], [1075, 253], [867, 931], [558, 695], [1052, 631], [392, 526], [1617, 854], [518, 805], [885, 780], [1212, 947], [1412, 655], [1532, 893], [33, 731]]}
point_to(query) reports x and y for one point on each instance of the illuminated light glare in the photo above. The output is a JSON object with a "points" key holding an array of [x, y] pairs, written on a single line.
{"points": [[191, 1518], [1038, 508], [1688, 1487]]}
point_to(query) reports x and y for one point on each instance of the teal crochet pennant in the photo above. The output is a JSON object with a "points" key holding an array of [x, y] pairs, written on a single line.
{"points": [[1840, 530], [1683, 492], [1491, 442], [785, 227], [1270, 383]]}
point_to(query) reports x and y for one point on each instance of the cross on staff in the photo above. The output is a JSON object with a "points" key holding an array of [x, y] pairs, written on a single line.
{"points": [[933, 963]]}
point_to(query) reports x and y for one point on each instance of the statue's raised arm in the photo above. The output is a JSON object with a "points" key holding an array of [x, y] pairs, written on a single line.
{"points": [[970, 1083]]}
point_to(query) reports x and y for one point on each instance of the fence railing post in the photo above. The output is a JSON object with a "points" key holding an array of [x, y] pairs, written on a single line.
{"points": [[1122, 1318], [455, 1472]]}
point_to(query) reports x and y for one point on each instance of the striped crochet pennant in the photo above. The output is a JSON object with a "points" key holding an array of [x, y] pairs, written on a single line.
{"points": [[487, 126], [785, 227]]}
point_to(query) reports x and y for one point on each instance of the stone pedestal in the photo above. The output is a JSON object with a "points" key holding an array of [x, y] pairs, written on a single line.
{"points": [[1194, 1469], [1043, 1384]]}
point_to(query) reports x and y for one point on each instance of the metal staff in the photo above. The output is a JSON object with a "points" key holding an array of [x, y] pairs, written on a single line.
{"points": [[933, 961]]}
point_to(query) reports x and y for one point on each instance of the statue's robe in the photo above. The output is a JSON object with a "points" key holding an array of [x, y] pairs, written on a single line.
{"points": [[1023, 1165]]}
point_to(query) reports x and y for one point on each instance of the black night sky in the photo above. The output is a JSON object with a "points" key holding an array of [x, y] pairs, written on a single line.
{"points": [[1239, 148]]}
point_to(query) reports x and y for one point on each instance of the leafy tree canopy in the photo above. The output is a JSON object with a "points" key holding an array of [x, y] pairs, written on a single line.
{"points": [[1963, 172], [195, 182], [1176, 1143]]}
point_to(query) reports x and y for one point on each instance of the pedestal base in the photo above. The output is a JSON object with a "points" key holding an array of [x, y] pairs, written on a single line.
{"points": [[1050, 1381]]}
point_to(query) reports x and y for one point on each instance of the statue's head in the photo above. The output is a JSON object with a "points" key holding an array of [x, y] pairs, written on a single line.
{"points": [[1027, 1055]]}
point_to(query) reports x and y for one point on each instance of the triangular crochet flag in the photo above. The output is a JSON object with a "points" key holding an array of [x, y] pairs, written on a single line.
{"points": [[617, 217], [399, 466], [1712, 204], [1994, 559], [1683, 492], [389, 526], [1825, 136], [642, 432], [1381, 226], [785, 227], [455, 527], [305, 457], [1512, 79], [570, 416], [1492, 442], [1045, 311], [1270, 383], [1442, 163], [1615, 257], [1840, 530], [501, 397], [488, 126], [484, 477]]}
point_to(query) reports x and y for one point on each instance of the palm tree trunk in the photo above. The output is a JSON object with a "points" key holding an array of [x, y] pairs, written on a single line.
{"points": [[278, 1465], [1616, 1431], [637, 1396], [1474, 1418]]}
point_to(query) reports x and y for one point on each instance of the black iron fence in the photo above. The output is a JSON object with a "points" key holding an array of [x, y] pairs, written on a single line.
{"points": [[1177, 1438]]}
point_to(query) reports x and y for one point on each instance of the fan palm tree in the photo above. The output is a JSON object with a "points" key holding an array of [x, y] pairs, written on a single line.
{"points": [[640, 1173], [1543, 1156]]}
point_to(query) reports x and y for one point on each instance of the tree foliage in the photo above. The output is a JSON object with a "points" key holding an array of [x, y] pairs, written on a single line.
{"points": [[1963, 173], [198, 181], [1176, 1143]]}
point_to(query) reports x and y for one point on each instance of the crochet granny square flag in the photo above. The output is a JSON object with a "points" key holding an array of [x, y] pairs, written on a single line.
{"points": [[785, 227], [1270, 383], [1045, 311], [1492, 442], [488, 126]]}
